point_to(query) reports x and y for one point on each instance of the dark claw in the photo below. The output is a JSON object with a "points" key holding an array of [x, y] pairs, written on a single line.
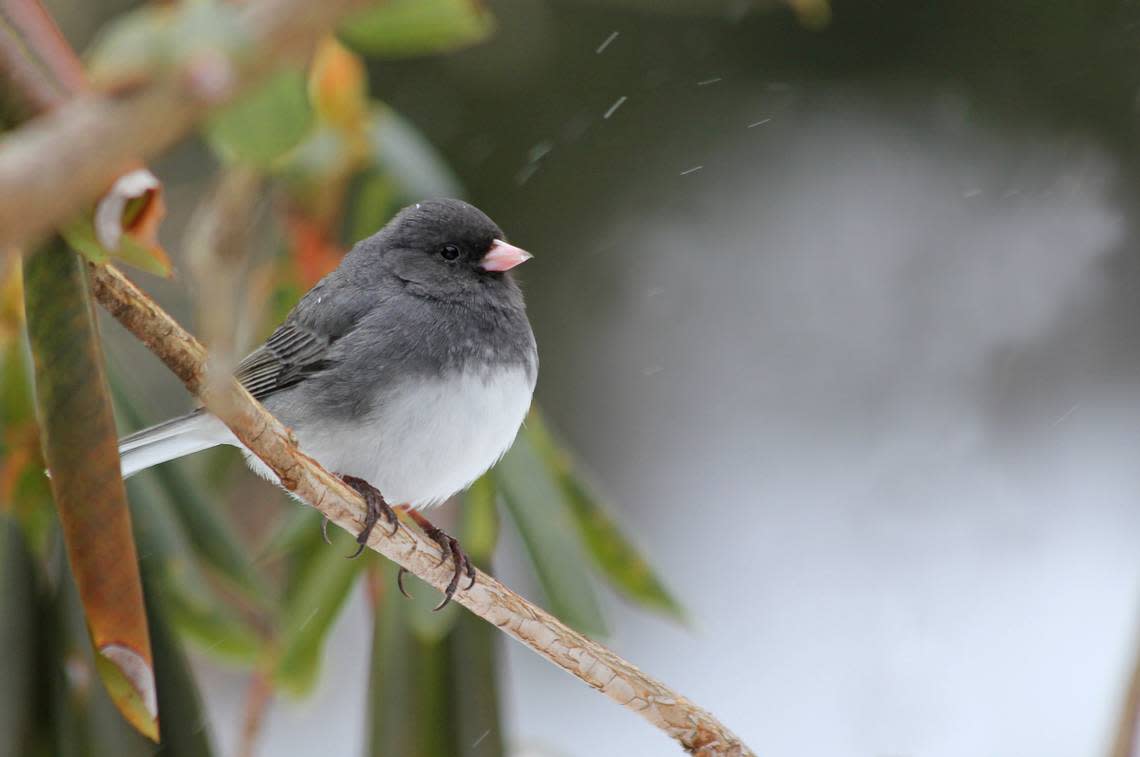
{"points": [[376, 507], [450, 546], [400, 582]]}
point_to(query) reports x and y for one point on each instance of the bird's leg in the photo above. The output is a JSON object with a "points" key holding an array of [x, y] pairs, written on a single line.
{"points": [[376, 507], [450, 546]]}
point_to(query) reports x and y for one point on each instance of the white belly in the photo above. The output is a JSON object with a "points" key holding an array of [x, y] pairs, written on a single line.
{"points": [[429, 439]]}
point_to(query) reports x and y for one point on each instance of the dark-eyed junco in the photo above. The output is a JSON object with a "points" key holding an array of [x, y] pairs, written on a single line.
{"points": [[407, 371]]}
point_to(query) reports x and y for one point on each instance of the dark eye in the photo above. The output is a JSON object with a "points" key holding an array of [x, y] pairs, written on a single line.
{"points": [[449, 252]]}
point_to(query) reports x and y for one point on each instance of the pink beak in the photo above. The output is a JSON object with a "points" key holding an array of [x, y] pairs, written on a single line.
{"points": [[503, 257]]}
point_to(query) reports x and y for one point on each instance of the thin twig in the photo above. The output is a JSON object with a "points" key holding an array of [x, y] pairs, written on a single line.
{"points": [[96, 137], [697, 730], [218, 239]]}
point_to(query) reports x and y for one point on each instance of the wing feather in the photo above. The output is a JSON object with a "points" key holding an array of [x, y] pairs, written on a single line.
{"points": [[290, 354]]}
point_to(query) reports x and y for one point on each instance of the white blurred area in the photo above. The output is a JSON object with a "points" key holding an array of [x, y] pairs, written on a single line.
{"points": [[867, 416]]}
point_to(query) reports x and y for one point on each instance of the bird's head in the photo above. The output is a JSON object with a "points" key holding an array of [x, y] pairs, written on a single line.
{"points": [[448, 248]]}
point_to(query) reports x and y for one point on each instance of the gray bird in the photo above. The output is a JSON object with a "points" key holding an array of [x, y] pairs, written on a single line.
{"points": [[407, 371]]}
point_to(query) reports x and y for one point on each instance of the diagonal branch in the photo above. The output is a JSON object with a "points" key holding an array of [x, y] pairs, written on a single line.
{"points": [[696, 730]]}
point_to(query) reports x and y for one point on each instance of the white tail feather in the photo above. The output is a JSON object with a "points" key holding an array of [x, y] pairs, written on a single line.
{"points": [[172, 439]]}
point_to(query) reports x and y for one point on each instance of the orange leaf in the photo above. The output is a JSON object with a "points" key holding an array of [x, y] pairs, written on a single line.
{"points": [[11, 299], [338, 86]]}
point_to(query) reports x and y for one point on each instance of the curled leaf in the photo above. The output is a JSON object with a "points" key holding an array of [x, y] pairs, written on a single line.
{"points": [[124, 225], [132, 206]]}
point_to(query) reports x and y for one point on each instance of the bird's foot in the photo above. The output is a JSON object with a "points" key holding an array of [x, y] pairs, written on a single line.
{"points": [[376, 507], [450, 546]]}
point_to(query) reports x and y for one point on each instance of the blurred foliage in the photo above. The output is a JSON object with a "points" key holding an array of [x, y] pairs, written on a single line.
{"points": [[260, 128], [338, 164], [415, 27]]}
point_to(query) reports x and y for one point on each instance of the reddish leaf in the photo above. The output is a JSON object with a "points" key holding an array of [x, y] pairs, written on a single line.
{"points": [[81, 450], [314, 251]]}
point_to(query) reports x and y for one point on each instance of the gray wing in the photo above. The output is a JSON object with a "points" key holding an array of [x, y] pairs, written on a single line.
{"points": [[291, 354], [303, 345]]}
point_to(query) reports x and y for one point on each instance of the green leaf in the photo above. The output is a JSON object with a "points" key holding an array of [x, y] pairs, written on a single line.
{"points": [[546, 525], [400, 28], [294, 529], [613, 554], [318, 589], [479, 531], [210, 536], [265, 124], [80, 235], [410, 694], [474, 643], [425, 623], [477, 720], [184, 732]]}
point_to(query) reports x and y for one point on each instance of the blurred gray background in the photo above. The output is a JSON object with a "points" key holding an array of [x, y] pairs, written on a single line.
{"points": [[844, 322]]}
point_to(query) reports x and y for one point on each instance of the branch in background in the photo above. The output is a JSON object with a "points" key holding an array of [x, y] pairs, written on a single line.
{"points": [[38, 67], [40, 72], [96, 137], [217, 243], [697, 730]]}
